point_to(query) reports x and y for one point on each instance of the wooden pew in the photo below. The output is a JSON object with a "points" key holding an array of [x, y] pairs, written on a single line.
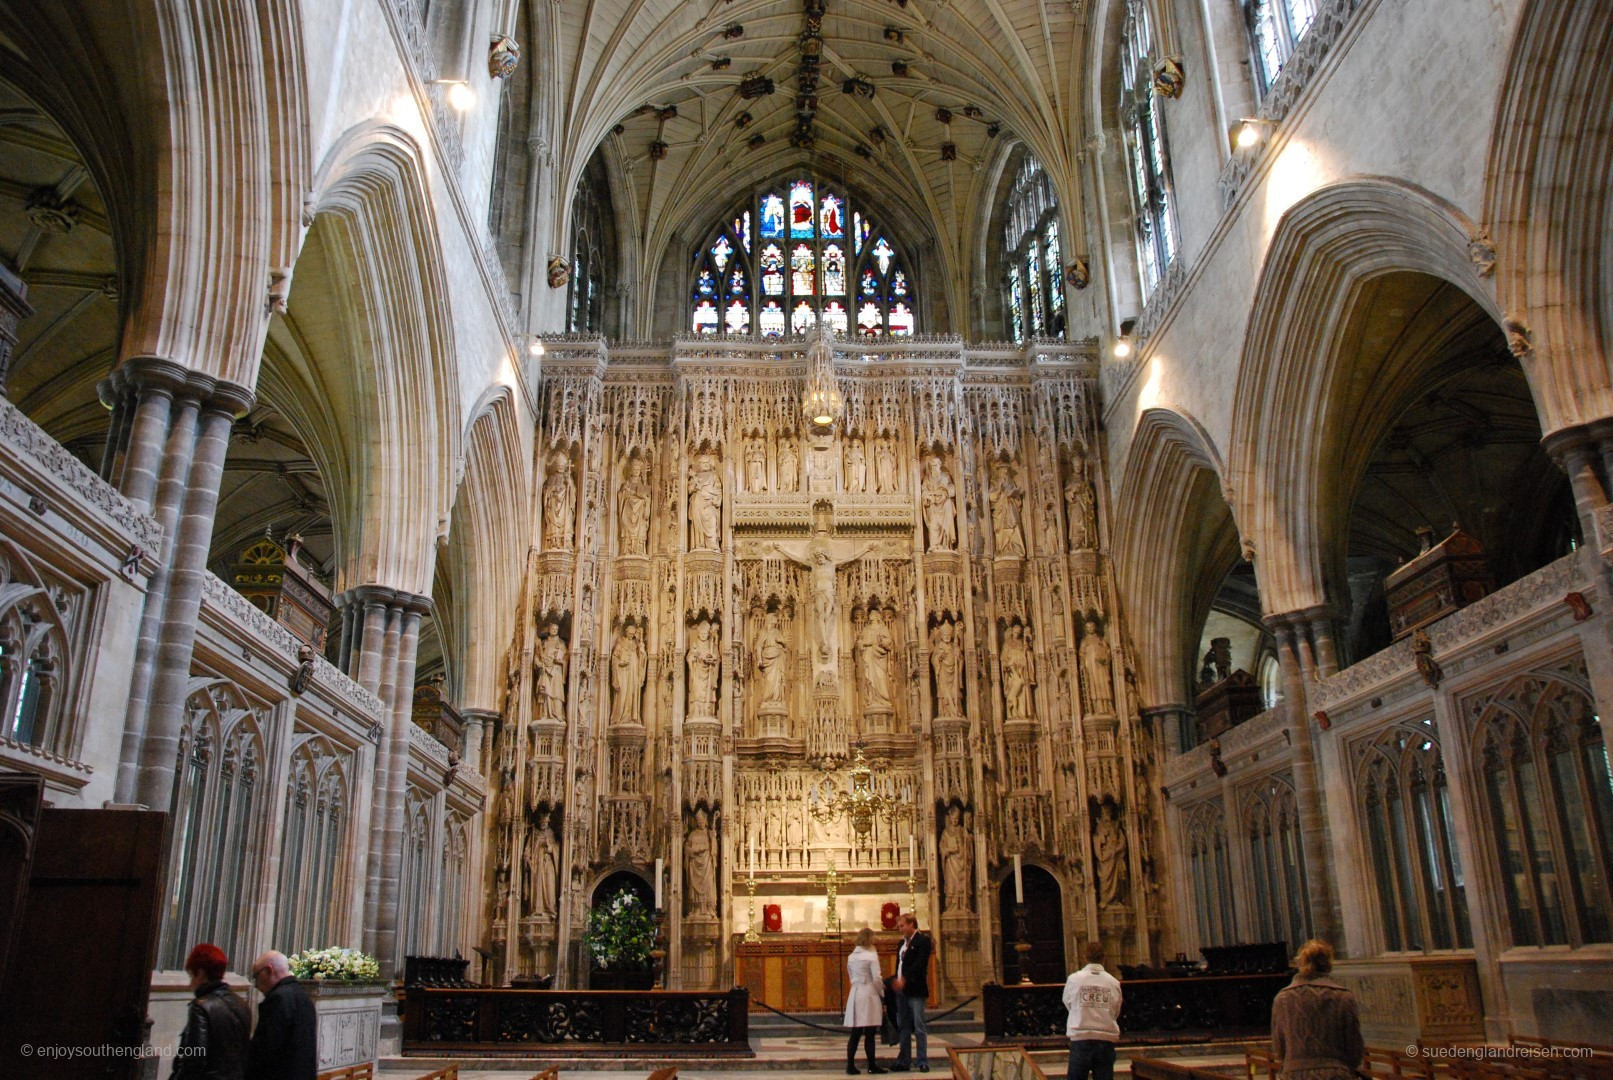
{"points": [[365, 1071]]}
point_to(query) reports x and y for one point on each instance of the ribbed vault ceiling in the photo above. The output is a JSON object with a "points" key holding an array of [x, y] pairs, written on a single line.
{"points": [[947, 85]]}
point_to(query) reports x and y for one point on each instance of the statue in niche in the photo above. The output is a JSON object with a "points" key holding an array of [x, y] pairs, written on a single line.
{"points": [[875, 646], [559, 503], [550, 664], [1050, 528], [1080, 507], [856, 466], [775, 827], [1109, 852], [627, 672], [822, 556], [946, 660], [885, 465], [700, 867], [705, 657], [954, 863], [789, 464], [755, 466], [633, 511], [705, 505], [1006, 500], [1096, 677], [940, 506], [1018, 677], [542, 869], [772, 660], [792, 836]]}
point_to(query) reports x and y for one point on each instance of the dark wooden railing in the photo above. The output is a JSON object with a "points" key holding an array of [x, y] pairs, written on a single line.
{"points": [[499, 1020], [1153, 1009]]}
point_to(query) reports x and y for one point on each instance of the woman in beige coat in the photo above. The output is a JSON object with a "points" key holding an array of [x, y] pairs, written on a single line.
{"points": [[1315, 1029], [865, 1002]]}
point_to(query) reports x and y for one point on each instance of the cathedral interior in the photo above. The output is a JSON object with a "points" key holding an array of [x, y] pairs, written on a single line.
{"points": [[1150, 461]]}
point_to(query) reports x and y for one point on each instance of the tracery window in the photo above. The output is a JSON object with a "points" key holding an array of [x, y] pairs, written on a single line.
{"points": [[1152, 208], [1404, 805], [812, 256], [313, 851], [35, 655], [1548, 797], [1035, 278], [415, 889], [1211, 874], [453, 878], [216, 822], [1276, 863], [1275, 28], [585, 297]]}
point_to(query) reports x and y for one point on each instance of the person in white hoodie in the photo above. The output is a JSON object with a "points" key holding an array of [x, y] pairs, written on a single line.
{"points": [[1092, 996]]}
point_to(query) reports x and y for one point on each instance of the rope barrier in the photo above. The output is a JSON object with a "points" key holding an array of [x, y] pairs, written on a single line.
{"points": [[841, 1029]]}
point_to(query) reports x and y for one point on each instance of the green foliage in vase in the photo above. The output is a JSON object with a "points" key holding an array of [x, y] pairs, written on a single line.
{"points": [[620, 933]]}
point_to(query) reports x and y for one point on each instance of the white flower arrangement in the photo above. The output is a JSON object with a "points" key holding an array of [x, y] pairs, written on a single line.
{"points": [[334, 963]]}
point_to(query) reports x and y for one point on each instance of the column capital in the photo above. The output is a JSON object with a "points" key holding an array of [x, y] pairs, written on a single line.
{"points": [[384, 596]]}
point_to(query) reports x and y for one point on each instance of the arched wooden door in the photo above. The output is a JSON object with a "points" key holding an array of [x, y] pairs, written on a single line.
{"points": [[1044, 924]]}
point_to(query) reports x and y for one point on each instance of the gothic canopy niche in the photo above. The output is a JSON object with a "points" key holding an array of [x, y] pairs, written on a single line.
{"points": [[912, 103], [796, 253]]}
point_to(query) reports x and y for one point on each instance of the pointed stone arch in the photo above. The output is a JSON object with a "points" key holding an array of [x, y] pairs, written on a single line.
{"points": [[1548, 209], [390, 358], [1176, 541], [1298, 403]]}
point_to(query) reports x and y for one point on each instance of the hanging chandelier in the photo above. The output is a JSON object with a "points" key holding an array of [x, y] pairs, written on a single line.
{"points": [[822, 402], [862, 803]]}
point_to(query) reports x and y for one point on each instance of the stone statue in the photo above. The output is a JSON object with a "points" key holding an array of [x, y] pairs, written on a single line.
{"points": [[1095, 671], [946, 660], [1006, 501], [627, 671], [705, 505], [550, 674], [755, 466], [1109, 852], [884, 465], [1080, 507], [772, 660], [1050, 528], [700, 867], [1017, 675], [940, 507], [822, 555], [559, 503], [875, 647], [633, 511], [789, 464], [856, 466], [542, 869], [954, 863], [705, 657]]}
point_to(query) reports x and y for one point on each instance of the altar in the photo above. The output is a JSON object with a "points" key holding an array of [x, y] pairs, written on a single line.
{"points": [[807, 972]]}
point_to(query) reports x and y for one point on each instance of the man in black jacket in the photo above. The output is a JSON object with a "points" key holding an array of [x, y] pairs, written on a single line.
{"points": [[912, 986], [213, 1044], [286, 1044]]}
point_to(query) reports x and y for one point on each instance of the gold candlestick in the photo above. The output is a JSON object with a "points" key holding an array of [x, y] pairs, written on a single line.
{"points": [[750, 930], [831, 880]]}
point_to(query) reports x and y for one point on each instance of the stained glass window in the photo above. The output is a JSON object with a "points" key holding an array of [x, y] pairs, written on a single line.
{"points": [[1033, 286], [772, 319], [1277, 27], [705, 317], [1152, 209], [883, 253], [800, 210], [772, 217], [772, 271], [834, 313], [1035, 299], [802, 318], [761, 284], [834, 271], [802, 271]]}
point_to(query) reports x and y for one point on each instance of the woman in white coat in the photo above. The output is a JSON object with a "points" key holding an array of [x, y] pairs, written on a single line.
{"points": [[865, 1004]]}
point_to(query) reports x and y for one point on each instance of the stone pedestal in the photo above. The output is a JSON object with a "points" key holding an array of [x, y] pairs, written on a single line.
{"points": [[350, 1022], [1435, 999], [773, 722], [960, 955]]}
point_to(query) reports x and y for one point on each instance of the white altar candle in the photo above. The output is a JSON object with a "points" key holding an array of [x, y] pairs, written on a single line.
{"points": [[753, 856], [1019, 883], [913, 853], [657, 884]]}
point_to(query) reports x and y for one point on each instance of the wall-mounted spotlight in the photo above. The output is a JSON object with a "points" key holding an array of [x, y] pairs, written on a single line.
{"points": [[1122, 348], [460, 96], [1251, 131]]}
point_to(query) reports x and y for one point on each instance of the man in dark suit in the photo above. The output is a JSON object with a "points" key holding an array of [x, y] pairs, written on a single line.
{"points": [[912, 986], [286, 1044]]}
